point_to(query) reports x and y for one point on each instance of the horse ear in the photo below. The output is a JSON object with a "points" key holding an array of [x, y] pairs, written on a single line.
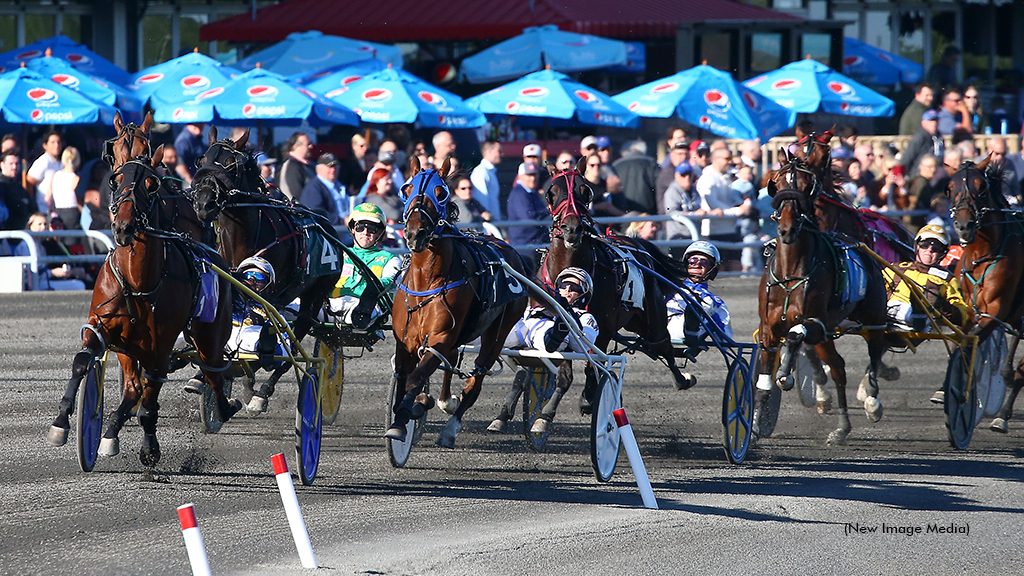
{"points": [[158, 156], [242, 140], [551, 168], [827, 135], [148, 122], [213, 135], [414, 166], [118, 123], [446, 166], [772, 188], [551, 195], [800, 134], [984, 163], [581, 165]]}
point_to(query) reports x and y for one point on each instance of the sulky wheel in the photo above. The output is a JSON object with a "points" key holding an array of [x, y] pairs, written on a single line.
{"points": [[960, 405], [308, 428], [333, 383], [89, 425], [738, 410], [604, 433]]}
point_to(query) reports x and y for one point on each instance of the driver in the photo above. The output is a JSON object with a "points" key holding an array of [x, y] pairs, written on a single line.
{"points": [[702, 263], [367, 226], [940, 287], [539, 327]]}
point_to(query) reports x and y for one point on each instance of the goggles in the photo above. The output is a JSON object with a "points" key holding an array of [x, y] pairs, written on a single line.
{"points": [[698, 261], [573, 286], [370, 227], [256, 279], [933, 244]]}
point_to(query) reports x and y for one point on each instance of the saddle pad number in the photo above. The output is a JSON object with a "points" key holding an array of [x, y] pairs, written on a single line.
{"points": [[323, 256], [329, 256]]}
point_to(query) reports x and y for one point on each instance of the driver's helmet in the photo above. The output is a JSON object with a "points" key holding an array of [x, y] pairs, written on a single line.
{"points": [[367, 212], [581, 276], [256, 273], [933, 232], [705, 248]]}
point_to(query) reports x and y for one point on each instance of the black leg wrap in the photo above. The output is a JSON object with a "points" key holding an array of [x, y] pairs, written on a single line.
{"points": [[147, 419], [266, 347]]}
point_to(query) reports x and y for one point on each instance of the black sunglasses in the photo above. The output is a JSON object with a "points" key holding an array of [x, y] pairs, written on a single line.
{"points": [[367, 226], [571, 286]]}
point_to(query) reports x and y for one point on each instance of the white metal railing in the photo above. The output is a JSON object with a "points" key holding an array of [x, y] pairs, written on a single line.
{"points": [[35, 257]]}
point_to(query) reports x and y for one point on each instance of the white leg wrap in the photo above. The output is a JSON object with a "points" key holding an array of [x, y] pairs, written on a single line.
{"points": [[764, 382]]}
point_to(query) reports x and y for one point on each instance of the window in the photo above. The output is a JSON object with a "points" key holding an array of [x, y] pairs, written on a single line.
{"points": [[716, 50], [818, 45], [8, 32], [38, 27], [765, 52], [156, 39]]}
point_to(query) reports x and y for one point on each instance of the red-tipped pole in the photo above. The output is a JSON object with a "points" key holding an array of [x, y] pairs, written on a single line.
{"points": [[193, 540], [635, 461], [291, 509]]}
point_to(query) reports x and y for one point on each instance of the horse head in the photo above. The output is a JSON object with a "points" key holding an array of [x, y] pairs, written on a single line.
{"points": [[568, 198], [135, 185], [815, 150], [793, 188], [226, 166], [132, 141], [973, 191], [426, 203]]}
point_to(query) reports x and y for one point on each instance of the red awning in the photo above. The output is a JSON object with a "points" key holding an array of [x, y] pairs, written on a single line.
{"points": [[419, 20]]}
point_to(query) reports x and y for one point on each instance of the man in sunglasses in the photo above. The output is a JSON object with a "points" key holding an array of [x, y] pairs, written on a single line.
{"points": [[367, 226], [542, 329], [941, 288]]}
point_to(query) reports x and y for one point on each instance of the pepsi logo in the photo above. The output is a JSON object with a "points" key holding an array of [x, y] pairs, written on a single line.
{"points": [[844, 106], [884, 56], [535, 92], [261, 91], [586, 96], [177, 114], [786, 84], [249, 110], [210, 93], [841, 88], [306, 93], [705, 120], [512, 107], [37, 115], [633, 106], [717, 99], [432, 98], [150, 78], [756, 81], [28, 55], [77, 58], [666, 88], [195, 81], [752, 102], [852, 60], [350, 79], [66, 80], [337, 92], [377, 95], [42, 95]]}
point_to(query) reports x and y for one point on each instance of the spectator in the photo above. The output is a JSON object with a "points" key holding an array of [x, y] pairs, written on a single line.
{"points": [[942, 74], [63, 183], [484, 178], [43, 169], [611, 178], [638, 173], [975, 112], [418, 149], [938, 215], [353, 171], [470, 210], [750, 257], [602, 204], [295, 170], [679, 153], [190, 147], [532, 153], [1001, 165], [720, 200], [681, 199], [643, 229], [565, 161], [952, 158], [324, 194], [865, 154], [588, 146], [673, 136], [1000, 120], [910, 121], [52, 276], [926, 184], [266, 164], [854, 192], [9, 142], [19, 203], [388, 157], [925, 141], [700, 157], [444, 146], [968, 150], [381, 192], [750, 155], [97, 199], [892, 193], [525, 203], [848, 135], [839, 156], [953, 114]]}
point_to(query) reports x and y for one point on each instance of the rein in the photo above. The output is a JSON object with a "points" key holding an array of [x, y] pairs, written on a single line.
{"points": [[568, 207], [130, 133]]}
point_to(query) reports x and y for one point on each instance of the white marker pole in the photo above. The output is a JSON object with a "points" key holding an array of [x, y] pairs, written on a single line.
{"points": [[193, 540], [291, 508], [635, 461]]}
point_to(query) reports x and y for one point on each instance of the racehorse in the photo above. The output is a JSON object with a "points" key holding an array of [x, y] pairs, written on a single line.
{"points": [[300, 245], [452, 292], [624, 295], [801, 297], [146, 294], [990, 269]]}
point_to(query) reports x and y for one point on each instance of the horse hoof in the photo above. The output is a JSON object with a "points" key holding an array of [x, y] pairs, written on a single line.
{"points": [[447, 437], [873, 408], [149, 454], [109, 447], [824, 406], [57, 436], [837, 437], [786, 383], [938, 398], [256, 406], [396, 433], [586, 407], [497, 425], [540, 426], [445, 441], [686, 381], [194, 386], [889, 373], [999, 425], [234, 407], [450, 405]]}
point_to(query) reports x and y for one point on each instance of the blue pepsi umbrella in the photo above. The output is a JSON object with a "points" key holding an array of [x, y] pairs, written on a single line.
{"points": [[28, 97], [260, 97], [310, 51], [871, 65], [810, 86], [189, 74], [66, 49], [94, 88], [398, 96], [550, 94], [542, 46], [335, 77], [710, 99]]}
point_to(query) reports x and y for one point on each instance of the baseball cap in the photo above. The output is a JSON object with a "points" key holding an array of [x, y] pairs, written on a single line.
{"points": [[386, 157], [262, 159], [930, 115], [529, 168], [588, 142], [684, 168], [603, 142], [680, 145], [531, 150], [840, 153], [699, 147], [327, 159]]}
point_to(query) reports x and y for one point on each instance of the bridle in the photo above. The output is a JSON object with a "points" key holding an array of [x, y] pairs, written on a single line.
{"points": [[228, 170], [967, 198], [135, 172], [804, 207], [425, 184], [568, 206], [130, 133]]}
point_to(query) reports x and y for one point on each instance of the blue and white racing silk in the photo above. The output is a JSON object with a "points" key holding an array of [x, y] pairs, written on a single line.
{"points": [[529, 331], [712, 304]]}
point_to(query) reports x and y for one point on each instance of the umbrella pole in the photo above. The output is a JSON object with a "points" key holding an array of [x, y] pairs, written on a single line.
{"points": [[24, 156]]}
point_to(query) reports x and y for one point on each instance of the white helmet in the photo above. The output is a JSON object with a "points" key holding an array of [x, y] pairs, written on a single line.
{"points": [[259, 267], [708, 249], [935, 232], [581, 276]]}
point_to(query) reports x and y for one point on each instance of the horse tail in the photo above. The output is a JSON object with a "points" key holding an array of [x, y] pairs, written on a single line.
{"points": [[662, 263]]}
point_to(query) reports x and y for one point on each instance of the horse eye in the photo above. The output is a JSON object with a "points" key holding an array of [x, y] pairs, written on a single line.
{"points": [[152, 184], [441, 193]]}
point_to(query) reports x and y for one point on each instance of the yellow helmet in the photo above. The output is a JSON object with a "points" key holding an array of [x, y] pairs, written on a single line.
{"points": [[933, 231]]}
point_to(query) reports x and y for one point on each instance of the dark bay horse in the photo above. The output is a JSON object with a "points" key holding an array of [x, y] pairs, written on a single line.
{"points": [[798, 297], [145, 296], [441, 303], [617, 302], [991, 268], [300, 245]]}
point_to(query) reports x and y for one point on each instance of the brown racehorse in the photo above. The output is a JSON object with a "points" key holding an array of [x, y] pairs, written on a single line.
{"points": [[439, 307], [575, 241], [797, 298], [143, 299], [990, 269]]}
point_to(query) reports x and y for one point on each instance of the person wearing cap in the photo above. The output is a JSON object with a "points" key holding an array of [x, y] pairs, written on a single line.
{"points": [[296, 170], [542, 329], [367, 226], [388, 157], [525, 203], [927, 140], [324, 194], [681, 199], [588, 145], [677, 154], [941, 288], [486, 188], [612, 182], [700, 156]]}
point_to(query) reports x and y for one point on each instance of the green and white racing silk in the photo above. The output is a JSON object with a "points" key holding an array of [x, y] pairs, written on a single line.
{"points": [[382, 263]]}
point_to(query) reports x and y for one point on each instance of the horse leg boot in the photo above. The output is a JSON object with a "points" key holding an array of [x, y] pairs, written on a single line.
{"points": [[58, 434], [766, 407], [1001, 422], [508, 409], [149, 453], [258, 403], [784, 376], [413, 407], [821, 393], [589, 388], [449, 402], [562, 383]]}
